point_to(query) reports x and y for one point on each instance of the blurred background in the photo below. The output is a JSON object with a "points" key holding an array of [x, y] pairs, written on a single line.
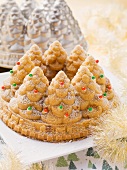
{"points": [[103, 22]]}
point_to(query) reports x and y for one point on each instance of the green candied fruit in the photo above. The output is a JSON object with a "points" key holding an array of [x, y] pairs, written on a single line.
{"points": [[93, 77], [105, 94], [29, 108], [14, 84], [31, 75], [101, 76], [60, 107], [90, 109], [11, 71]]}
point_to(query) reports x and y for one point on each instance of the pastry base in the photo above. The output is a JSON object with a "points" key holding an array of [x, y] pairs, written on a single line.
{"points": [[40, 130], [47, 132], [30, 151]]}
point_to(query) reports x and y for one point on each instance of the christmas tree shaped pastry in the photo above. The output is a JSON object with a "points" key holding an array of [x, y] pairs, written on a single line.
{"points": [[97, 71], [17, 75], [59, 105], [54, 59], [30, 96], [35, 54], [92, 101], [74, 61], [101, 79]]}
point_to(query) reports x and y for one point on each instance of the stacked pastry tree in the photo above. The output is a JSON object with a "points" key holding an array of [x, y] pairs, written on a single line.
{"points": [[35, 55], [54, 59], [92, 102], [17, 74], [30, 95], [54, 97], [61, 102], [74, 61], [101, 79]]}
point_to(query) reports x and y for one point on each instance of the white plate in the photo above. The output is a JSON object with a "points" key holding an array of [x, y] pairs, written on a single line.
{"points": [[31, 151]]}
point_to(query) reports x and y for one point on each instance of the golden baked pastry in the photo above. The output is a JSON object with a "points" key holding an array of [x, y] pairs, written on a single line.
{"points": [[17, 74], [46, 104], [74, 61], [61, 102], [92, 101], [54, 59], [100, 77], [35, 54], [96, 70], [36, 57], [30, 96]]}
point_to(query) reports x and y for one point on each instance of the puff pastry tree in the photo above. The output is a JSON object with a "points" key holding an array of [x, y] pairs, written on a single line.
{"points": [[60, 102], [17, 75], [101, 79], [74, 61], [54, 59], [92, 101], [30, 95], [35, 54]]}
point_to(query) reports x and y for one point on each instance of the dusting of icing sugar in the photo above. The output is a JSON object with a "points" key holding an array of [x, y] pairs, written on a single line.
{"points": [[40, 102], [74, 114], [34, 112], [69, 96], [7, 93], [23, 99], [42, 85]]}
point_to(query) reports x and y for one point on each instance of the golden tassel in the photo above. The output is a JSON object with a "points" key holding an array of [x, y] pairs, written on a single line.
{"points": [[110, 135]]}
